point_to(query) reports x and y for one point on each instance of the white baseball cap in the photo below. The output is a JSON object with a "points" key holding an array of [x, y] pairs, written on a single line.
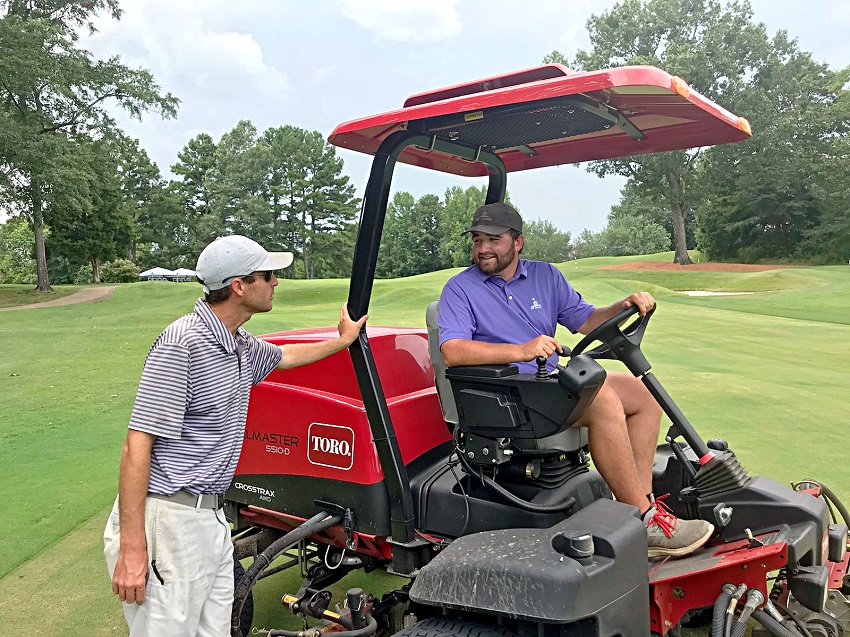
{"points": [[235, 256]]}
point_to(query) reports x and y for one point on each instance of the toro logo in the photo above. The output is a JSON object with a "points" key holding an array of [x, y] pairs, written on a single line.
{"points": [[331, 446]]}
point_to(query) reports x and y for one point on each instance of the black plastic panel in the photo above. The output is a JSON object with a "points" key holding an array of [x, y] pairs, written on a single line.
{"points": [[519, 574], [512, 127], [522, 405]]}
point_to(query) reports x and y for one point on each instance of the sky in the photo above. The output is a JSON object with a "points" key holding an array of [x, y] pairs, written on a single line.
{"points": [[317, 64]]}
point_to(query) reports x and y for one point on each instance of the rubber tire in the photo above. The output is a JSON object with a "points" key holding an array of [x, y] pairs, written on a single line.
{"points": [[453, 627], [247, 616]]}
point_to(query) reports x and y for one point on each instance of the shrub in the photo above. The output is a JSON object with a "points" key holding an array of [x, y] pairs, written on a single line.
{"points": [[83, 275], [119, 271], [17, 244], [62, 271], [629, 236]]}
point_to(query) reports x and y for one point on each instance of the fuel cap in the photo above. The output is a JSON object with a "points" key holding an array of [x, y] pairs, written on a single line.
{"points": [[575, 544]]}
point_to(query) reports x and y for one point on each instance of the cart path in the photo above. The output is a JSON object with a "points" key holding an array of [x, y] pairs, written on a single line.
{"points": [[86, 295]]}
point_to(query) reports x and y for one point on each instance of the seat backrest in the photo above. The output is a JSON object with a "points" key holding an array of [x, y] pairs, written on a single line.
{"points": [[444, 388]]}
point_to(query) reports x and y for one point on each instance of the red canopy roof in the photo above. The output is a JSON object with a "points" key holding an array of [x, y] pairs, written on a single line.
{"points": [[549, 115]]}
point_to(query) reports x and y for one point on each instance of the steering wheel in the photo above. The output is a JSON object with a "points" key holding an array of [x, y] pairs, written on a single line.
{"points": [[619, 344]]}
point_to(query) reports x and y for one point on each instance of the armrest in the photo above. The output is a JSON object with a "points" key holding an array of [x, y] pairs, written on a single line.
{"points": [[481, 371]]}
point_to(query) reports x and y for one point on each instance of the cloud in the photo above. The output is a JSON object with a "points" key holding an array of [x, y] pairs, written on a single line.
{"points": [[207, 55], [326, 71], [406, 21], [191, 47]]}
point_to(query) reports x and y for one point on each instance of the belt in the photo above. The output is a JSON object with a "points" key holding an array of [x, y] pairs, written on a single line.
{"points": [[202, 501]]}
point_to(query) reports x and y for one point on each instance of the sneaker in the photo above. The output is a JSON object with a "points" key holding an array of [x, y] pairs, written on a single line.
{"points": [[668, 536]]}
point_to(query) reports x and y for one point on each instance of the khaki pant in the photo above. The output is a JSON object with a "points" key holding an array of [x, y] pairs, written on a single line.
{"points": [[193, 556]]}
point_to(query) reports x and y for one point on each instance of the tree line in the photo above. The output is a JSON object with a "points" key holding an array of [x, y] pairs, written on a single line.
{"points": [[82, 196], [783, 194], [427, 234], [57, 140], [284, 188]]}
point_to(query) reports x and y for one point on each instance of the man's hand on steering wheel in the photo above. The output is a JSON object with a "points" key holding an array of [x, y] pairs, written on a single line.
{"points": [[618, 340], [643, 301]]}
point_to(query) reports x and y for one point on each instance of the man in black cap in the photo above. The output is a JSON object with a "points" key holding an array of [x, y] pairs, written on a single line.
{"points": [[504, 309]]}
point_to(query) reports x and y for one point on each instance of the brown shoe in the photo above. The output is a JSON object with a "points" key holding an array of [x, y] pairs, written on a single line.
{"points": [[668, 536]]}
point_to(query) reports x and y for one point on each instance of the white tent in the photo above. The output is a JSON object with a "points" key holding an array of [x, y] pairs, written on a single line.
{"points": [[185, 274], [158, 274]]}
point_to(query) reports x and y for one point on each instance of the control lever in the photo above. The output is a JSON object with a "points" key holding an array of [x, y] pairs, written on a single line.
{"points": [[542, 372]]}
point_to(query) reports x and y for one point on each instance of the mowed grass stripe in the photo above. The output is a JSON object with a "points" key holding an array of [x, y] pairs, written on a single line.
{"points": [[65, 591]]}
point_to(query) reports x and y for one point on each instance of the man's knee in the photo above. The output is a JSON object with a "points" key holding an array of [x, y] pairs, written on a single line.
{"points": [[605, 407], [634, 395]]}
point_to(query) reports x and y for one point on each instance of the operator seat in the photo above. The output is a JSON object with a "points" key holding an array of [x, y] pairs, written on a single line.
{"points": [[444, 386], [567, 439]]}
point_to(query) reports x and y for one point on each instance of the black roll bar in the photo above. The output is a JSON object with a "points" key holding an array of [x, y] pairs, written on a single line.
{"points": [[372, 216]]}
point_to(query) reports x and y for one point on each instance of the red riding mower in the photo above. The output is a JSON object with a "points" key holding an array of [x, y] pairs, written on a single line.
{"points": [[469, 481]]}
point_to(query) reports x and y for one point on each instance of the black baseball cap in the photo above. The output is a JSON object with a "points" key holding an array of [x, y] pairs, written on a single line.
{"points": [[495, 218]]}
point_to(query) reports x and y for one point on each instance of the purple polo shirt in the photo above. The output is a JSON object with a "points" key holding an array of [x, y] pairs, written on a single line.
{"points": [[480, 307]]}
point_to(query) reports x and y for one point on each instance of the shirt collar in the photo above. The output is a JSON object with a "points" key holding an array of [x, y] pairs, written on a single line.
{"points": [[521, 270], [217, 328]]}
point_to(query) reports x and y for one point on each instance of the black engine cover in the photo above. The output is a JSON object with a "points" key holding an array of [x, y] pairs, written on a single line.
{"points": [[518, 573]]}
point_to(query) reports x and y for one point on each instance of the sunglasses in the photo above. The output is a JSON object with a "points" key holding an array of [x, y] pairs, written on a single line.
{"points": [[267, 276]]}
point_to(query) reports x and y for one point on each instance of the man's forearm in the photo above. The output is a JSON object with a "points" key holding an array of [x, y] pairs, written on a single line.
{"points": [[133, 482], [463, 352], [599, 316], [297, 354]]}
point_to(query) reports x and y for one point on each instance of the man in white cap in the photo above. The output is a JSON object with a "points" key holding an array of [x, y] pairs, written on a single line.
{"points": [[167, 543]]}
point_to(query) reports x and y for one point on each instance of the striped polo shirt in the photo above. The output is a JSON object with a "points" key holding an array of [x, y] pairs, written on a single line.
{"points": [[193, 396]]}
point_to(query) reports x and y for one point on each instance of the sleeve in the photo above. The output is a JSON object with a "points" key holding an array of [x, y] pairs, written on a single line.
{"points": [[163, 393], [573, 309], [455, 318], [264, 357]]}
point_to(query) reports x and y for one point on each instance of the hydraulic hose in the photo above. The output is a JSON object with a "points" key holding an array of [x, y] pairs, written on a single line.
{"points": [[830, 497], [755, 598], [317, 523], [801, 626], [370, 628], [772, 625], [718, 617], [738, 628], [730, 610], [845, 514], [561, 507], [771, 610]]}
